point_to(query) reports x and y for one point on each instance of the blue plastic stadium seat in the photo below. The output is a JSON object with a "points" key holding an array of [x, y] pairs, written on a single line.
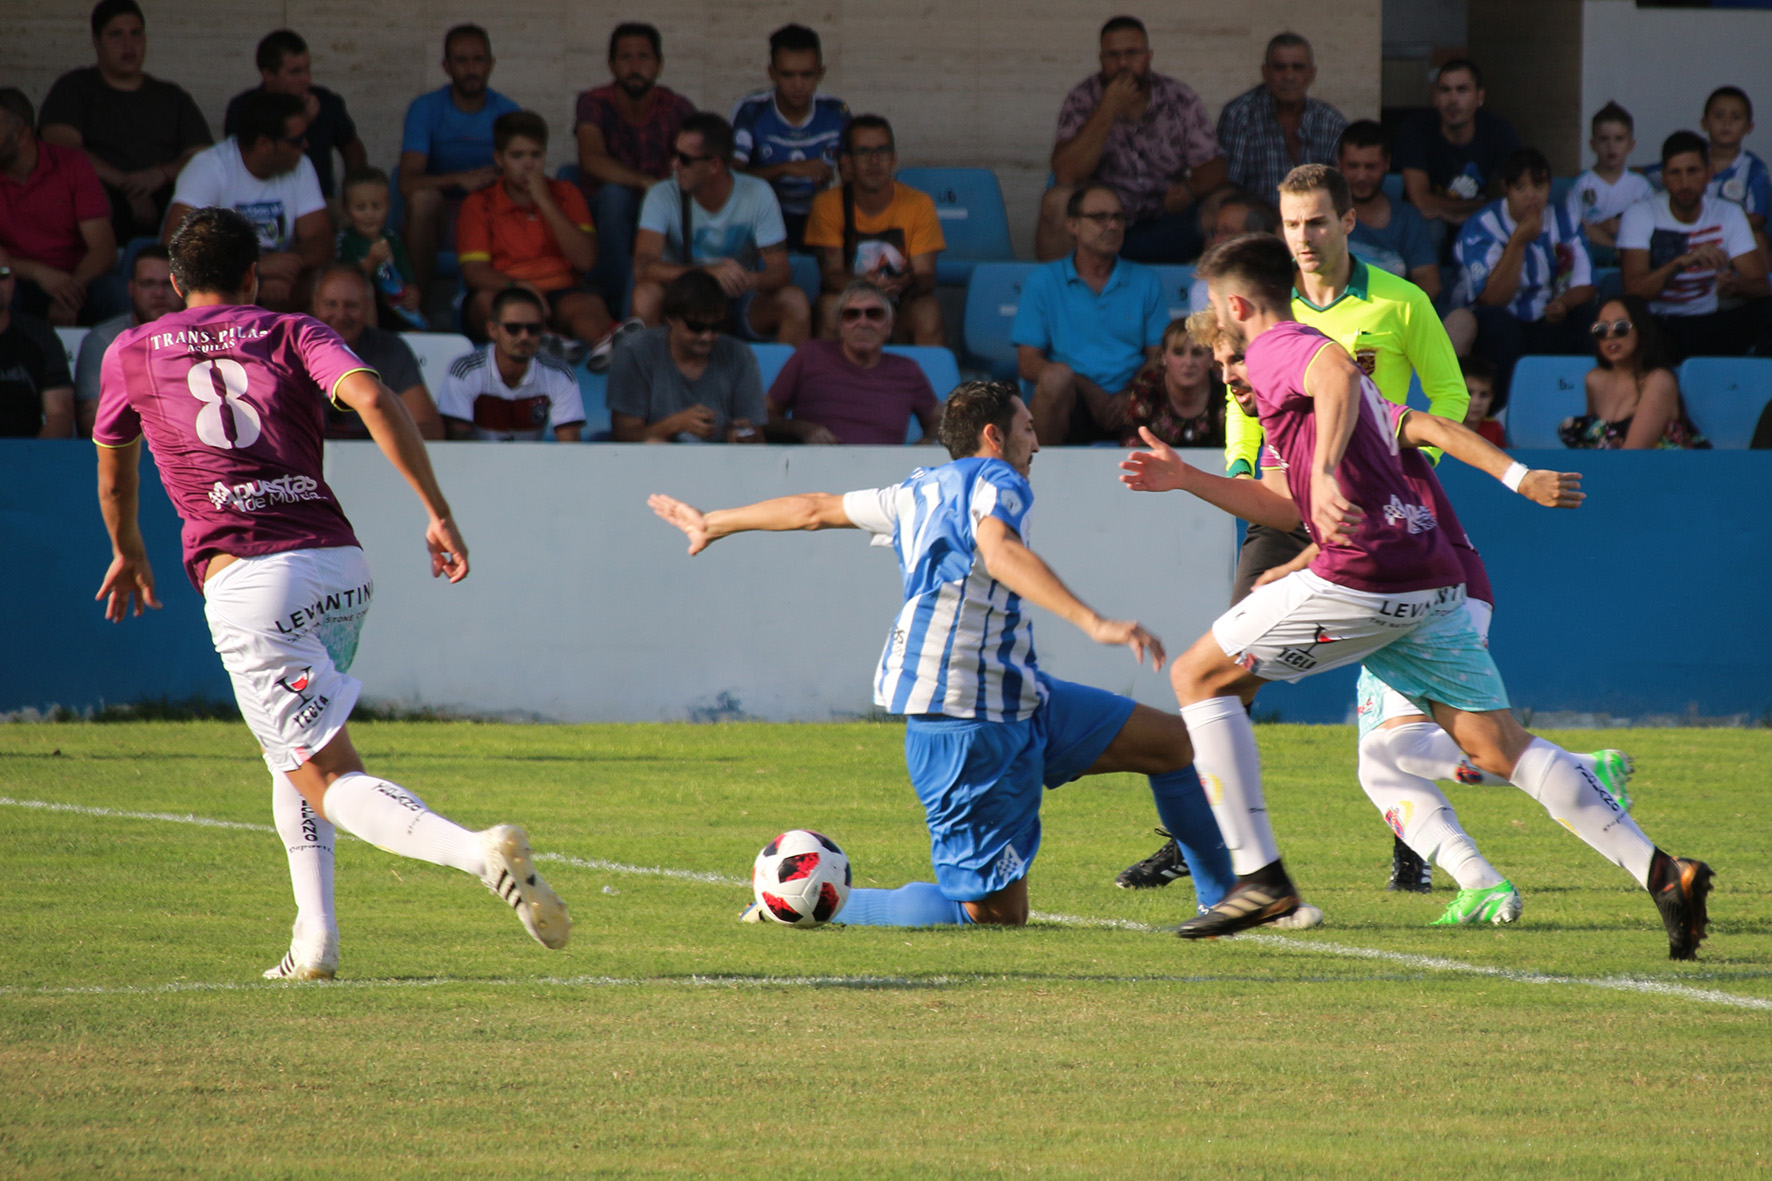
{"points": [[1725, 396], [569, 173], [992, 296], [939, 366], [1545, 391], [1178, 282], [974, 220], [807, 276], [770, 360], [594, 389]]}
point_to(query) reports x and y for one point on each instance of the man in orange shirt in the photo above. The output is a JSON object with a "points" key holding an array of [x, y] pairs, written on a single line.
{"points": [[531, 232], [877, 229]]}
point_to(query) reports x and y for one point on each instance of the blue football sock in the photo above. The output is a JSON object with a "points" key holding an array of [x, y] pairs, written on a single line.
{"points": [[1182, 807], [919, 904]]}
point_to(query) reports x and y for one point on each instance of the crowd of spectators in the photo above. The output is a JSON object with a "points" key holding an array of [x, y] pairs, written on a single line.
{"points": [[673, 210]]}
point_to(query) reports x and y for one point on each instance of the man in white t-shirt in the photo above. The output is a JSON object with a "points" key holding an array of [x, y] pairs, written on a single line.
{"points": [[1693, 256], [1599, 196], [264, 173], [508, 389]]}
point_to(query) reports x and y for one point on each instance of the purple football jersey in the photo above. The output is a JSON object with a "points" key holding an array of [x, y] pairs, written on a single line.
{"points": [[232, 401], [1399, 545], [1420, 474]]}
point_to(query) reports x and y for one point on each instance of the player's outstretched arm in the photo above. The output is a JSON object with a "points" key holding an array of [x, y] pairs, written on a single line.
{"points": [[809, 510], [1027, 574], [129, 582], [1333, 382], [1161, 469], [390, 425], [1539, 485]]}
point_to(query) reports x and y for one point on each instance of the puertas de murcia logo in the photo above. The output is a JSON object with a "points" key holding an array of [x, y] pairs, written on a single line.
{"points": [[257, 494]]}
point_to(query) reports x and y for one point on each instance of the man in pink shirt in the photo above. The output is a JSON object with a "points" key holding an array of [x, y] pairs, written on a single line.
{"points": [[1387, 588], [231, 399], [55, 221]]}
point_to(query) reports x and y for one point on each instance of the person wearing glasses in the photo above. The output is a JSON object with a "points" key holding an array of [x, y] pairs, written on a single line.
{"points": [[263, 172], [728, 225], [850, 390], [1268, 131], [879, 230], [686, 381], [1633, 396], [1087, 325], [508, 389]]}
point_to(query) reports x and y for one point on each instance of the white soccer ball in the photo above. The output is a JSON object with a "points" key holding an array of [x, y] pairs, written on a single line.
{"points": [[801, 879]]}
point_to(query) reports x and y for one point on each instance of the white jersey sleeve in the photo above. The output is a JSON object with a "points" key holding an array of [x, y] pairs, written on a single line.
{"points": [[875, 510]]}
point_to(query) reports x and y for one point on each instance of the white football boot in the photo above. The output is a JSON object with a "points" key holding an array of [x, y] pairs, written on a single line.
{"points": [[511, 875]]}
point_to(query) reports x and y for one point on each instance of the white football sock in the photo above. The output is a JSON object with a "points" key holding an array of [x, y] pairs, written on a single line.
{"points": [[1230, 770], [1434, 754], [309, 842], [392, 818], [1417, 811], [1577, 801]]}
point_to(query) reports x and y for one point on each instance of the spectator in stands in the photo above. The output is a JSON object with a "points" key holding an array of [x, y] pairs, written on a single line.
{"points": [[850, 390], [880, 230], [1633, 397], [535, 233], [687, 382], [1684, 250], [1600, 195], [262, 172], [626, 132], [508, 389], [284, 67], [707, 218], [790, 134], [54, 222], [1270, 130], [378, 252], [1237, 213], [446, 146], [345, 303], [1736, 174], [136, 130], [151, 295], [1389, 235], [1452, 157], [1524, 266], [1479, 379], [36, 392], [1087, 324], [1148, 137], [1177, 401]]}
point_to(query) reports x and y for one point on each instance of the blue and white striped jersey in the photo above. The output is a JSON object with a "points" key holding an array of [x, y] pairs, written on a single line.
{"points": [[1555, 261], [963, 644]]}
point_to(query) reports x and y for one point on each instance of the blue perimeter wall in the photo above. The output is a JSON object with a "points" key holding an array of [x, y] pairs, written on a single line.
{"points": [[1651, 599]]}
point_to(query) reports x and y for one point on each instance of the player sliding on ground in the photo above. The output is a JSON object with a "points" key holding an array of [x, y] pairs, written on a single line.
{"points": [[986, 731], [231, 399], [1387, 588]]}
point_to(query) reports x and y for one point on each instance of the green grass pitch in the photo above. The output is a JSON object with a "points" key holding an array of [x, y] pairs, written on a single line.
{"points": [[137, 1040]]}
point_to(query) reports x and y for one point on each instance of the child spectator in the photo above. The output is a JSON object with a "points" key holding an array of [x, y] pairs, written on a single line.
{"points": [[1736, 174], [1177, 401], [1600, 195], [791, 133], [1633, 397], [377, 251], [1479, 379]]}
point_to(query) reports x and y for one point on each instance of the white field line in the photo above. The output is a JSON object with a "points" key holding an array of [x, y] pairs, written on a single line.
{"points": [[1422, 963]]}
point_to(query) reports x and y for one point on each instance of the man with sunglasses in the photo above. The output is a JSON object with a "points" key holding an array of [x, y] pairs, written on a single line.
{"points": [[508, 389], [263, 172], [1268, 131], [686, 381]]}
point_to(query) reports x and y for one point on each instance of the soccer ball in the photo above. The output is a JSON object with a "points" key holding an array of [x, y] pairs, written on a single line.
{"points": [[801, 879]]}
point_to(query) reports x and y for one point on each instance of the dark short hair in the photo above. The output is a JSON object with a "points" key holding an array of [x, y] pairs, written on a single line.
{"points": [[1527, 162], [1681, 142], [1612, 113], [1363, 133], [973, 406], [1308, 178], [1074, 206], [695, 294], [1652, 351], [153, 252], [1462, 63], [265, 115], [1259, 217], [509, 296], [1287, 40], [14, 101], [212, 251], [715, 132], [457, 32], [343, 268], [794, 39], [1734, 92], [1121, 24], [365, 174], [512, 124], [277, 45], [1480, 368], [636, 29], [1259, 264], [867, 123], [106, 11]]}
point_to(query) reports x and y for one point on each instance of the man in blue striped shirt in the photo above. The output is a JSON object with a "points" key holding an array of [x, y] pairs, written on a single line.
{"points": [[986, 731]]}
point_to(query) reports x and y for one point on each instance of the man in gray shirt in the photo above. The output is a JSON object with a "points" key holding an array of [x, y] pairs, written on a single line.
{"points": [[151, 296], [684, 381]]}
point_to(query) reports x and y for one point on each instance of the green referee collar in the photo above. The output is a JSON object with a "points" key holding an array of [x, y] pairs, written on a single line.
{"points": [[1357, 286]]}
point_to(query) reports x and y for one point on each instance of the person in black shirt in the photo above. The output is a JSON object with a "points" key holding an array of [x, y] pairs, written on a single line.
{"points": [[284, 64], [36, 391], [1451, 158]]}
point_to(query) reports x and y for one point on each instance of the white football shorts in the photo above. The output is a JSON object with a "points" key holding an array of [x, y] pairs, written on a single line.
{"points": [[286, 627]]}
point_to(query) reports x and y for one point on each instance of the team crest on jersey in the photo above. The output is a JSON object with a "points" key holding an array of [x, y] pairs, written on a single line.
{"points": [[1367, 360], [1735, 189], [1590, 197]]}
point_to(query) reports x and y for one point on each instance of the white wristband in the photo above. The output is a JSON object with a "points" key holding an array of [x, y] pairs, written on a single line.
{"points": [[1513, 475]]}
